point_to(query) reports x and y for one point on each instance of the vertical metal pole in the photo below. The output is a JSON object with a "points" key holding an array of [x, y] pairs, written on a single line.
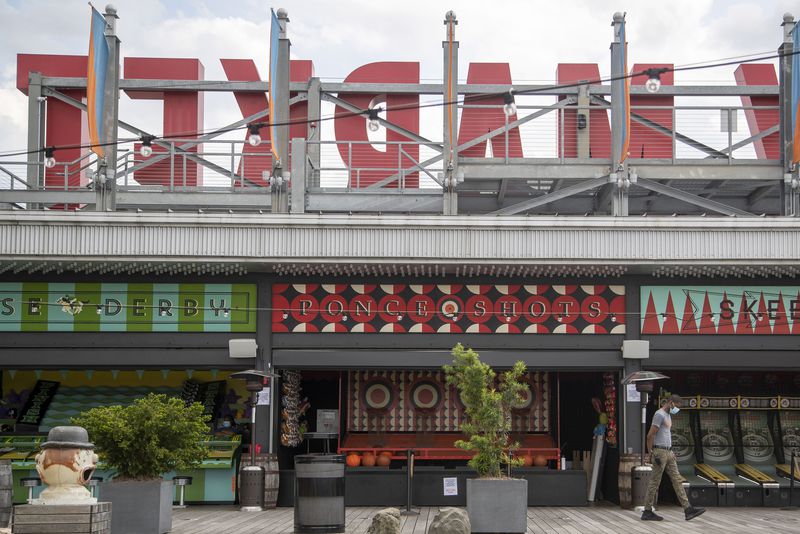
{"points": [[619, 204], [582, 134], [790, 196], [450, 115], [106, 199], [299, 171], [644, 424], [730, 136], [791, 479], [280, 103], [314, 130], [254, 403], [35, 119]]}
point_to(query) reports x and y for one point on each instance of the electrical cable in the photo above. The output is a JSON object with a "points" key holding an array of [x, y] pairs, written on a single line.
{"points": [[407, 107]]}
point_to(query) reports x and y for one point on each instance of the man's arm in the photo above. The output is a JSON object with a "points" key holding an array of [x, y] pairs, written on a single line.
{"points": [[651, 436]]}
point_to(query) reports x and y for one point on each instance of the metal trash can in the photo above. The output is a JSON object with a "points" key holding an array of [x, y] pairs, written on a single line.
{"points": [[251, 483], [319, 493], [640, 477]]}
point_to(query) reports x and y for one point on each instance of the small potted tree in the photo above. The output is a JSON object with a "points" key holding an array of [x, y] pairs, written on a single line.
{"points": [[495, 503], [154, 435]]}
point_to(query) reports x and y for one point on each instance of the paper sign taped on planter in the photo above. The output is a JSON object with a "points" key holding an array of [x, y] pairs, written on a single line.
{"points": [[263, 397], [450, 486]]}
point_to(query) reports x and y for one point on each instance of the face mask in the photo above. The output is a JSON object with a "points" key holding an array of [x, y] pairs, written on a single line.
{"points": [[674, 410], [226, 424]]}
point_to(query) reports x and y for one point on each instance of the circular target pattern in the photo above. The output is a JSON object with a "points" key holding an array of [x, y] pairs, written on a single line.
{"points": [[716, 446], [508, 309], [420, 308], [333, 308], [784, 403], [594, 309], [704, 403], [426, 395], [479, 308], [378, 395], [693, 403], [363, 308], [450, 308], [525, 403], [681, 446], [567, 308], [773, 403], [305, 308], [745, 403], [391, 308], [732, 403], [536, 309], [756, 447]]}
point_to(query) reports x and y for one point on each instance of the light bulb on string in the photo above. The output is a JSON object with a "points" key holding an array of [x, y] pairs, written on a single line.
{"points": [[653, 83], [509, 106], [374, 124], [50, 160], [254, 139], [146, 149]]}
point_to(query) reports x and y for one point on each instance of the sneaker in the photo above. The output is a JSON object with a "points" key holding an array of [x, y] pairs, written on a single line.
{"points": [[693, 512], [649, 515]]}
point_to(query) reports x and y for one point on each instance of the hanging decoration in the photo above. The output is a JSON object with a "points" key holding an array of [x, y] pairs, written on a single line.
{"points": [[610, 391], [140, 373], [164, 373], [292, 410]]}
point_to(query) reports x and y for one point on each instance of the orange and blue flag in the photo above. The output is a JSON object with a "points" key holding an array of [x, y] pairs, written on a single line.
{"points": [[274, 46], [795, 95], [624, 86], [96, 81]]}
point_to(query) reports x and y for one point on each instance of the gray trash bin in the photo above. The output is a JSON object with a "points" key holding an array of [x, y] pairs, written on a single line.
{"points": [[319, 493], [640, 476]]}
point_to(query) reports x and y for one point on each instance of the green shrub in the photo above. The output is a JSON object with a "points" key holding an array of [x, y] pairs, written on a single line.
{"points": [[154, 435], [487, 409]]}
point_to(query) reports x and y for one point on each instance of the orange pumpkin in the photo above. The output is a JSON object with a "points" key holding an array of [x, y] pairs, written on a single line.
{"points": [[385, 453], [383, 460], [368, 460], [539, 460], [353, 459], [527, 460]]}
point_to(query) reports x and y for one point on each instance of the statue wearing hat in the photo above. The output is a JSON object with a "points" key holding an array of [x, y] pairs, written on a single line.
{"points": [[66, 464]]}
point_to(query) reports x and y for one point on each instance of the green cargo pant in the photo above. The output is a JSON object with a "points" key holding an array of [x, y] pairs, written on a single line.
{"points": [[664, 460]]}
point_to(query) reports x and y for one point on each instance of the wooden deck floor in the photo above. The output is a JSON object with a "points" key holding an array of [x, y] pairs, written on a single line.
{"points": [[601, 519]]}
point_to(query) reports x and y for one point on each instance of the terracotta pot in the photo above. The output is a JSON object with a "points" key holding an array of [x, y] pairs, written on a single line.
{"points": [[368, 460], [539, 460], [353, 459], [527, 460], [383, 460]]}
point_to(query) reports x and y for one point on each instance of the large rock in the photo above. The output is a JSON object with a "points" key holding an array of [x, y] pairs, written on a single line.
{"points": [[386, 521], [450, 521]]}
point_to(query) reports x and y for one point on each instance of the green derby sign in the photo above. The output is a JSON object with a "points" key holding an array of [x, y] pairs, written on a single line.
{"points": [[119, 307]]}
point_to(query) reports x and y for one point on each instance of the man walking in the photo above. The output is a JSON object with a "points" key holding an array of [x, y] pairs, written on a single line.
{"points": [[659, 446]]}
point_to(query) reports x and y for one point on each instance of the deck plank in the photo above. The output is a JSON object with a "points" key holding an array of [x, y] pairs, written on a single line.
{"points": [[598, 519]]}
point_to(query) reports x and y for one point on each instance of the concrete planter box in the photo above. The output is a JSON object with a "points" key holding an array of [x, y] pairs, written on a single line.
{"points": [[140, 507], [497, 505]]}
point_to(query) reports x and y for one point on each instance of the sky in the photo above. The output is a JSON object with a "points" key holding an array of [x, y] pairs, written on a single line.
{"points": [[531, 35]]}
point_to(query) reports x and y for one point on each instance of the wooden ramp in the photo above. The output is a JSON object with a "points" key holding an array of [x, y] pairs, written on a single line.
{"points": [[601, 519]]}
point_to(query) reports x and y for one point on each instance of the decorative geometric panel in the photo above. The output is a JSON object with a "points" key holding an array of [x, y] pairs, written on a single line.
{"points": [[421, 401], [449, 308]]}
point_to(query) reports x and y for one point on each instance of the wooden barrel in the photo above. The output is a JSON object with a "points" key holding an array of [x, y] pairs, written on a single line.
{"points": [[270, 464], [6, 492], [626, 463]]}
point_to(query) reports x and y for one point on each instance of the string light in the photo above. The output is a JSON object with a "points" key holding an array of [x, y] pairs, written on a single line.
{"points": [[374, 123], [49, 161], [254, 139], [509, 106], [653, 83], [147, 150]]}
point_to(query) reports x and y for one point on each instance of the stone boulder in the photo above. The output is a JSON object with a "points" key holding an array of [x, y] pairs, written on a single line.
{"points": [[386, 521], [450, 521]]}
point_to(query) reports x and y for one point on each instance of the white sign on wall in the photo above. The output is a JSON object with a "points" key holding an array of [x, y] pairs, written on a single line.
{"points": [[450, 486]]}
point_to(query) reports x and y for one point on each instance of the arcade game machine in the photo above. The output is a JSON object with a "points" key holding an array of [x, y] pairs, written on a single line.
{"points": [[786, 428], [718, 460], [754, 440], [701, 491]]}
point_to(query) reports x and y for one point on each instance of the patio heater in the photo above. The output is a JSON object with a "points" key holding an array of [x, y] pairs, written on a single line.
{"points": [[251, 482], [644, 381], [640, 474]]}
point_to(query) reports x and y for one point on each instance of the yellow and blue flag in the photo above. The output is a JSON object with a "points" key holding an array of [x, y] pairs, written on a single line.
{"points": [[624, 84], [274, 36], [96, 81], [795, 95]]}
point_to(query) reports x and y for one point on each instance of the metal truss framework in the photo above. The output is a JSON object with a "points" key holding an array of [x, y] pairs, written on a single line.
{"points": [[503, 186]]}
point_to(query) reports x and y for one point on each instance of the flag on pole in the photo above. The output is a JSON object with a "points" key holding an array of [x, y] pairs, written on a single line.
{"points": [[625, 89], [795, 95], [96, 81], [274, 36]]}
